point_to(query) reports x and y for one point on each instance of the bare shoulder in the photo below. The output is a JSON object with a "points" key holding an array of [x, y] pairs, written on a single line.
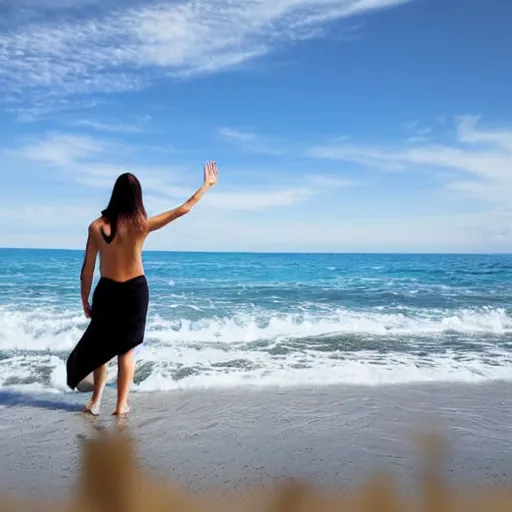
{"points": [[95, 227]]}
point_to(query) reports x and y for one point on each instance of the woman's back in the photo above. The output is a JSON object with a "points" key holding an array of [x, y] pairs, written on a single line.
{"points": [[121, 257], [120, 300], [119, 234]]}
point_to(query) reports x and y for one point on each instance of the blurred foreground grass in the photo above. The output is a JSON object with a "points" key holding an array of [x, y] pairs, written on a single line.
{"points": [[111, 481]]}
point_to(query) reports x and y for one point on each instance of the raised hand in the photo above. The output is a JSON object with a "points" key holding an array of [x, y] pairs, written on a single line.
{"points": [[210, 173], [210, 179]]}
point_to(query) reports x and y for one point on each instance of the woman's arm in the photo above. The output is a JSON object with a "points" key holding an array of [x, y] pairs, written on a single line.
{"points": [[87, 273], [210, 179]]}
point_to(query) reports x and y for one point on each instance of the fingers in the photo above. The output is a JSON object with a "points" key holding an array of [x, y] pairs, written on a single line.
{"points": [[211, 171]]}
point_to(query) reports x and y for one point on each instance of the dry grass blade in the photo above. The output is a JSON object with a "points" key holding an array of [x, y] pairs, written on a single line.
{"points": [[111, 481]]}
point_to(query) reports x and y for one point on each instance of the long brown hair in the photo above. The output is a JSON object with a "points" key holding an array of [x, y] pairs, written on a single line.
{"points": [[125, 203]]}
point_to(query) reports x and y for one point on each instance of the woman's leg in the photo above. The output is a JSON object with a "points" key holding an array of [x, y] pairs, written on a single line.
{"points": [[126, 371], [100, 379]]}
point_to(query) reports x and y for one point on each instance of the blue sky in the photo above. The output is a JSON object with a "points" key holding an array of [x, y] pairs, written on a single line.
{"points": [[337, 125]]}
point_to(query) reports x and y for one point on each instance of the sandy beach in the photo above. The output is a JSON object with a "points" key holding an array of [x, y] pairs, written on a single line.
{"points": [[243, 437]]}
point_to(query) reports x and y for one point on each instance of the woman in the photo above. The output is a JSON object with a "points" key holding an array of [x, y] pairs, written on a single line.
{"points": [[120, 300]]}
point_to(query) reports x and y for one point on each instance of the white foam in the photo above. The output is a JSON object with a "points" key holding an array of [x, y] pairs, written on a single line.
{"points": [[56, 330], [207, 350], [247, 328], [354, 372], [214, 367], [214, 370], [40, 329]]}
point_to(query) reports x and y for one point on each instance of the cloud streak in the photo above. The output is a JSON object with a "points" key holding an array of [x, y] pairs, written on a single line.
{"points": [[62, 150], [126, 48], [109, 127], [251, 142], [484, 156], [92, 161], [258, 219], [46, 226], [89, 161], [236, 135]]}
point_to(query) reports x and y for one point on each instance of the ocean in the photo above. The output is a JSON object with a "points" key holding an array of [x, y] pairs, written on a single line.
{"points": [[225, 320]]}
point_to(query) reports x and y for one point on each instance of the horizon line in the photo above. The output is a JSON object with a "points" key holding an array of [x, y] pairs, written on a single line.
{"points": [[318, 253]]}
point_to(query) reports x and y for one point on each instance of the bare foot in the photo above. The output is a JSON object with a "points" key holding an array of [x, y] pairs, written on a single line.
{"points": [[121, 411], [92, 408]]}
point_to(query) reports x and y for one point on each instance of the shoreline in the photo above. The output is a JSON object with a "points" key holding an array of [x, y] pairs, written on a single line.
{"points": [[232, 439]]}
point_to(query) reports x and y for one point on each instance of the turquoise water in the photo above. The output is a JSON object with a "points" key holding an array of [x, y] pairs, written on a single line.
{"points": [[256, 319]]}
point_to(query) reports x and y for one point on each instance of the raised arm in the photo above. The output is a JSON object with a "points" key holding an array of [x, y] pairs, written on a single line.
{"points": [[210, 179], [86, 276]]}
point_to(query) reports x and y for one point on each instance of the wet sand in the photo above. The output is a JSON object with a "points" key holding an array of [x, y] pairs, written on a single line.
{"points": [[236, 438]]}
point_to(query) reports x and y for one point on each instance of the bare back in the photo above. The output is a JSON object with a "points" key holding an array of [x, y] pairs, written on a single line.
{"points": [[121, 259]]}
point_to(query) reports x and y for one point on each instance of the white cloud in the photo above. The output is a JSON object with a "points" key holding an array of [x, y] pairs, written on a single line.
{"points": [[257, 201], [467, 132], [62, 149], [34, 107], [479, 161], [217, 230], [93, 162], [483, 155], [417, 132], [109, 127], [254, 201], [251, 142], [331, 182], [119, 50], [85, 160], [236, 135], [47, 216], [48, 4]]}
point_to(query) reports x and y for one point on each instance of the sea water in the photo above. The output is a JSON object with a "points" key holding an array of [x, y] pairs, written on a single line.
{"points": [[222, 320]]}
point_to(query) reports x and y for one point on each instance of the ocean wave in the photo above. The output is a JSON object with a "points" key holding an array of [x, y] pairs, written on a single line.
{"points": [[55, 329], [186, 368], [259, 347], [247, 328], [356, 370]]}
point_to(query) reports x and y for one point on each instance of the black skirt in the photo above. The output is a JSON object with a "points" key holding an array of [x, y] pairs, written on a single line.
{"points": [[118, 323]]}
